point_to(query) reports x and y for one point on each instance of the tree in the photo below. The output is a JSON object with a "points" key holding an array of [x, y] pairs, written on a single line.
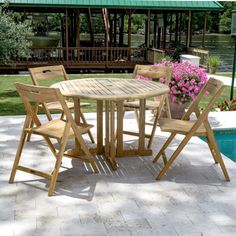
{"points": [[13, 42], [225, 19]]}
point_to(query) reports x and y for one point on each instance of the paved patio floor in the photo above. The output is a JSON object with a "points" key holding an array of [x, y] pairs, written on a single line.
{"points": [[192, 199]]}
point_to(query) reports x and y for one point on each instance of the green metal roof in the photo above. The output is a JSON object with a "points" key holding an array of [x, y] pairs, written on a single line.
{"points": [[129, 4]]}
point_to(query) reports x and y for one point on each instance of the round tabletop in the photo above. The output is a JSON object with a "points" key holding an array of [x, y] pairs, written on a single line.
{"points": [[111, 89]]}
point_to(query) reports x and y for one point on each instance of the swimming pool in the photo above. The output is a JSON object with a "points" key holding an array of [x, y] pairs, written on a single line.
{"points": [[226, 140]]}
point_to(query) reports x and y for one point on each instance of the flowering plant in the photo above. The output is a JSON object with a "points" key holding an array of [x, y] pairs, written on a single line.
{"points": [[227, 105], [186, 81]]}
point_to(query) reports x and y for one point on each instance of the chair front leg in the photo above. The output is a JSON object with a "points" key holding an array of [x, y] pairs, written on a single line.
{"points": [[166, 144], [174, 156], [59, 159], [19, 149]]}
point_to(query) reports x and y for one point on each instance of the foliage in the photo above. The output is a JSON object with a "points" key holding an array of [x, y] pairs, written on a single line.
{"points": [[175, 52], [186, 81], [13, 42], [227, 105], [43, 23], [225, 18], [213, 61]]}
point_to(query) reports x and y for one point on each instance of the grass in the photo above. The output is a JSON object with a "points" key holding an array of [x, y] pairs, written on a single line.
{"points": [[10, 103]]}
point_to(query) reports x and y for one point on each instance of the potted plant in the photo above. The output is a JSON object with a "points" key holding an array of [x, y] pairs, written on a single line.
{"points": [[213, 62], [185, 84]]}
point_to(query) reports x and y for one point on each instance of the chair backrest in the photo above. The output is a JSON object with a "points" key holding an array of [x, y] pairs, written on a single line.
{"points": [[153, 72], [32, 95], [140, 67], [212, 90], [47, 73]]}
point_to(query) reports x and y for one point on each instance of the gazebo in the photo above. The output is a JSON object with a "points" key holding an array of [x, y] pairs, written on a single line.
{"points": [[112, 48]]}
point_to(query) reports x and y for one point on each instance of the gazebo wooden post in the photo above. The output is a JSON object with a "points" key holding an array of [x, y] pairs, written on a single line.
{"points": [[148, 28], [164, 30], [78, 35], [158, 35], [189, 29], [180, 27], [204, 29], [129, 35], [171, 22], [111, 28], [115, 26], [176, 27], [155, 31], [121, 30], [67, 43]]}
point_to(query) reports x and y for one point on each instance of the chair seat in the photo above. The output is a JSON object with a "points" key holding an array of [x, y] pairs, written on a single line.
{"points": [[55, 106], [180, 126], [149, 104], [55, 129]]}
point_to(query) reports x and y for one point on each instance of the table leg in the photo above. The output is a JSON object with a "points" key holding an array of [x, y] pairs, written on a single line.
{"points": [[119, 134], [107, 131], [141, 146], [110, 149], [99, 127], [77, 118]]}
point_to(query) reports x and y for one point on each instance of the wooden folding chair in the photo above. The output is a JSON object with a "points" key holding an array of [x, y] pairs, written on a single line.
{"points": [[58, 129], [51, 73], [190, 128], [158, 105]]}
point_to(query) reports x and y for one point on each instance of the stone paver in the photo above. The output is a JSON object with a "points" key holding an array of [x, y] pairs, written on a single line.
{"points": [[192, 199]]}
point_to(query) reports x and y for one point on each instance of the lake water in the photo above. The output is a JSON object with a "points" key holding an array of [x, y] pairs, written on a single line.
{"points": [[218, 44]]}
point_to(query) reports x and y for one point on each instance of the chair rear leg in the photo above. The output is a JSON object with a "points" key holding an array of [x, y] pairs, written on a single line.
{"points": [[153, 130], [212, 150], [62, 116], [84, 147], [31, 126], [85, 122], [136, 116], [216, 154]]}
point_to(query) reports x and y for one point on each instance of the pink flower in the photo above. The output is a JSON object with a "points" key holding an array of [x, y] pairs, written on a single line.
{"points": [[186, 82]]}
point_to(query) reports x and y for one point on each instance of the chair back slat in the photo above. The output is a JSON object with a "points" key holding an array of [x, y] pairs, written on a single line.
{"points": [[153, 71], [47, 73], [212, 89], [43, 95], [214, 85], [37, 94]]}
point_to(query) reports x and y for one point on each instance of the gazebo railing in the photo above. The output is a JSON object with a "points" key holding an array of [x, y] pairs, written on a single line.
{"points": [[85, 55]]}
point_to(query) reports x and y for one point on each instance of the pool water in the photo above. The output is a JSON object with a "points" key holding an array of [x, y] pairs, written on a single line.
{"points": [[226, 140]]}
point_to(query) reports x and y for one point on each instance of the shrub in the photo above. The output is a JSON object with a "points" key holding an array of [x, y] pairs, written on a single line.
{"points": [[13, 42]]}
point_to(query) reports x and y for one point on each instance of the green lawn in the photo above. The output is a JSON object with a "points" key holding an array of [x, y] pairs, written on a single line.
{"points": [[10, 103]]}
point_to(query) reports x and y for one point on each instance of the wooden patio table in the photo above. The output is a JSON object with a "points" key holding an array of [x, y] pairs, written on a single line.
{"points": [[112, 92]]}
